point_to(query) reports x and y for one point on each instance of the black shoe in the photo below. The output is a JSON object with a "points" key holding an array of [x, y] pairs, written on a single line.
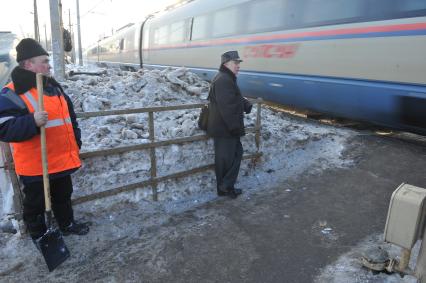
{"points": [[75, 228], [222, 193], [234, 193]]}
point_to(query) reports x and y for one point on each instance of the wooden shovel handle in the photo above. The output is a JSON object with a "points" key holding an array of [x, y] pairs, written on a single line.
{"points": [[46, 185]]}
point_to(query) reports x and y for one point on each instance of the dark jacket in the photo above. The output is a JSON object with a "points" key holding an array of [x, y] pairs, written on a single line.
{"points": [[16, 123], [227, 106]]}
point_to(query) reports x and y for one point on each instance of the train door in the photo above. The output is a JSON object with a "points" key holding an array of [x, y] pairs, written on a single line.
{"points": [[121, 46], [144, 42]]}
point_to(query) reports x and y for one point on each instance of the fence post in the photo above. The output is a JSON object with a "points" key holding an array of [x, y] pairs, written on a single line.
{"points": [[153, 157], [258, 125], [11, 175]]}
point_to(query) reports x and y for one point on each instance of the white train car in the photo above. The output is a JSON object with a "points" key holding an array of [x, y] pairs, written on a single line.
{"points": [[362, 60], [8, 42]]}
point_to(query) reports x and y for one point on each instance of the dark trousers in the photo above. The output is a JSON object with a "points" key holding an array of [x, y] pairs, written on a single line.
{"points": [[228, 154], [60, 192]]}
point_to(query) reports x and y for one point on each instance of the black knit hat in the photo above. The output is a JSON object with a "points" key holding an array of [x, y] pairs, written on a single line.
{"points": [[29, 48]]}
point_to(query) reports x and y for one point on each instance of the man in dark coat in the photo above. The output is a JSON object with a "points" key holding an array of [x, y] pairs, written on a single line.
{"points": [[226, 123]]}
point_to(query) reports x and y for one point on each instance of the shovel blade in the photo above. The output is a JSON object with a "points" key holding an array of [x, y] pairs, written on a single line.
{"points": [[53, 248]]}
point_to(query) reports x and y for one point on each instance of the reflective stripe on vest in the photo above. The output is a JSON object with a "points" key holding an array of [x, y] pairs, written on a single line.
{"points": [[4, 119], [62, 149], [50, 123], [33, 102]]}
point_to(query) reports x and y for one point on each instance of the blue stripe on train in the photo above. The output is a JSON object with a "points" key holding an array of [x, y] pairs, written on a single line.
{"points": [[388, 104]]}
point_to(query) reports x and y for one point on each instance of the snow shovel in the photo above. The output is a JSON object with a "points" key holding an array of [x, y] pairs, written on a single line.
{"points": [[51, 244]]}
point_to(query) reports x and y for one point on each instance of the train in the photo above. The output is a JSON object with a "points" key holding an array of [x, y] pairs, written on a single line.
{"points": [[361, 60], [7, 55]]}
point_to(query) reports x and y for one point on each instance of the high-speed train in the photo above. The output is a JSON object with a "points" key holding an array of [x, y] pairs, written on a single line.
{"points": [[7, 56], [363, 60]]}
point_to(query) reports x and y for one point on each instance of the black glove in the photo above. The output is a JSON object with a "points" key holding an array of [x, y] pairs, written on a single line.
{"points": [[248, 108]]}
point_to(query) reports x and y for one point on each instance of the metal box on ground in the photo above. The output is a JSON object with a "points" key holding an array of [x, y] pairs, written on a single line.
{"points": [[405, 220]]}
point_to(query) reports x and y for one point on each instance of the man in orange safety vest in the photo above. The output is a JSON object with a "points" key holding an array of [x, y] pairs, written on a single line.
{"points": [[20, 122]]}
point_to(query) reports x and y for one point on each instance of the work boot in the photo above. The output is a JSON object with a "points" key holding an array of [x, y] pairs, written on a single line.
{"points": [[222, 193], [75, 228], [234, 193]]}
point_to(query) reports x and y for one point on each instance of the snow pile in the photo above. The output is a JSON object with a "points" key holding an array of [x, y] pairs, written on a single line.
{"points": [[117, 89]]}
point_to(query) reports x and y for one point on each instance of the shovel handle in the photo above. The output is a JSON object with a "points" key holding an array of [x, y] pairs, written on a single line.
{"points": [[46, 185]]}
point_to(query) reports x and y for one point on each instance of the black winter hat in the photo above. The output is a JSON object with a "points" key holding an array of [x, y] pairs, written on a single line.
{"points": [[29, 48]]}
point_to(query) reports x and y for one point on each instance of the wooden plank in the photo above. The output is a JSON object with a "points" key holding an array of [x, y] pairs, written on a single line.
{"points": [[153, 157], [137, 110], [130, 187], [117, 150], [147, 109], [17, 192], [258, 125]]}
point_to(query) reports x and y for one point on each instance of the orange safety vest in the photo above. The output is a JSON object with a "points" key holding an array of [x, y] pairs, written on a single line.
{"points": [[61, 146]]}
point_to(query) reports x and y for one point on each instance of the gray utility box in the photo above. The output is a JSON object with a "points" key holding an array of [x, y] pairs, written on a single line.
{"points": [[406, 216]]}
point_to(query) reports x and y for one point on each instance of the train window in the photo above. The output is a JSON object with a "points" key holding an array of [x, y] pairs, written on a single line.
{"points": [[410, 5], [103, 49], [225, 22], [146, 40], [160, 35], [199, 27], [177, 32], [393, 9], [121, 44], [112, 47], [265, 15], [325, 12], [136, 39], [128, 40]]}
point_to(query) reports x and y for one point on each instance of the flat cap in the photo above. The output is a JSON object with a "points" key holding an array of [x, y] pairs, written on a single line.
{"points": [[230, 56]]}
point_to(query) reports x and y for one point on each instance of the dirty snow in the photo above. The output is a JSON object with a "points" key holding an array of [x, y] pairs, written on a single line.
{"points": [[289, 146], [349, 269]]}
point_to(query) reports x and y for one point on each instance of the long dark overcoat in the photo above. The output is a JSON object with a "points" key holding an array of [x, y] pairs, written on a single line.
{"points": [[227, 106]]}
